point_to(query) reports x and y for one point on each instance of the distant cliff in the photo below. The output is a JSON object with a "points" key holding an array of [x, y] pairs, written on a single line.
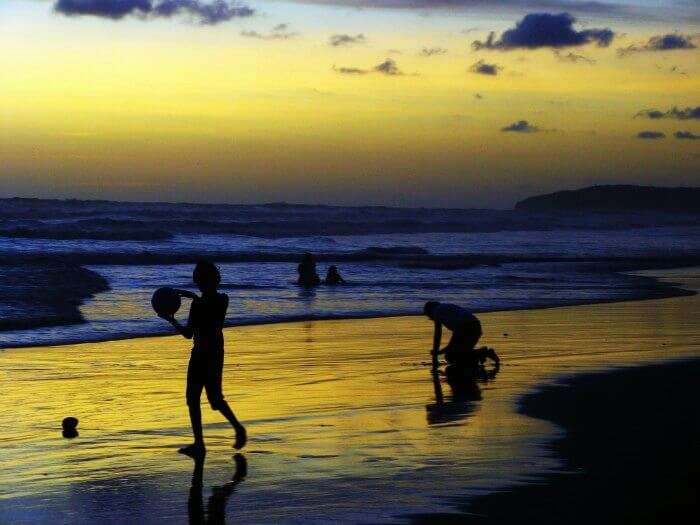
{"points": [[619, 198]]}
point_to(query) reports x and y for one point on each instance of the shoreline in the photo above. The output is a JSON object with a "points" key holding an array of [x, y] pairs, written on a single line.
{"points": [[344, 419], [657, 288], [629, 452]]}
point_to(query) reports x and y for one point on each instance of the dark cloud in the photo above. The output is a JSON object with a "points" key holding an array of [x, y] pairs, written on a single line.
{"points": [[687, 135], [432, 51], [114, 9], [522, 126], [538, 30], [572, 58], [388, 67], [482, 68], [344, 40], [673, 113], [279, 32], [210, 13], [651, 135], [670, 42]]}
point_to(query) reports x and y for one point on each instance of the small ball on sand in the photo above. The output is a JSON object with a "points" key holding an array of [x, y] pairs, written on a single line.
{"points": [[69, 425], [70, 422]]}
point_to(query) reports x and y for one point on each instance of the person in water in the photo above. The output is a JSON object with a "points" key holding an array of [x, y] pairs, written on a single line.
{"points": [[466, 332], [307, 272], [205, 325], [333, 277]]}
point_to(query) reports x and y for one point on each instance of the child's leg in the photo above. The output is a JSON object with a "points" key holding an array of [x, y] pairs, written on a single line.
{"points": [[217, 402], [196, 422], [193, 394]]}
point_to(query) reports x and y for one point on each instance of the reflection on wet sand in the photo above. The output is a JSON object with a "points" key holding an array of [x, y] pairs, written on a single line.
{"points": [[215, 512], [336, 413], [464, 384]]}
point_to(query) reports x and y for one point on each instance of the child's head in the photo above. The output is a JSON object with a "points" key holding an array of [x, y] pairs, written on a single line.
{"points": [[206, 276], [429, 308]]}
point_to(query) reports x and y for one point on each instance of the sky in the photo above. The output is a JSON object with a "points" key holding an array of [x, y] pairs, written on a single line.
{"points": [[459, 103]]}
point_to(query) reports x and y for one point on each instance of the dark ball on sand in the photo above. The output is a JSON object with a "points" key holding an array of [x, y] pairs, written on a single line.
{"points": [[165, 301], [69, 425]]}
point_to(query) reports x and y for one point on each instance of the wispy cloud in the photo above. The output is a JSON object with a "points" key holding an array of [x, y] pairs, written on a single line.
{"points": [[572, 58], [388, 67], [279, 32], [205, 13], [344, 39], [482, 68], [537, 30], [651, 135], [686, 135], [688, 113], [669, 42], [521, 126], [432, 51]]}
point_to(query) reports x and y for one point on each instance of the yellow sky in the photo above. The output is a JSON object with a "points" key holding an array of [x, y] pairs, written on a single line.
{"points": [[169, 110]]}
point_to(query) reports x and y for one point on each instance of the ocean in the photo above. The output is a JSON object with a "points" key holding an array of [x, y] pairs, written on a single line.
{"points": [[75, 271]]}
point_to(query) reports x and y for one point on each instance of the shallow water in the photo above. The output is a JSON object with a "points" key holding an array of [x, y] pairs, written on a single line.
{"points": [[339, 416], [265, 291]]}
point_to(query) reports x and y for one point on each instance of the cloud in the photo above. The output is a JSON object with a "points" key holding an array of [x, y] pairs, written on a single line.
{"points": [[344, 40], [114, 9], [572, 58], [538, 30], [687, 135], [432, 51], [211, 13], [522, 126], [388, 67], [279, 32], [669, 42], [482, 68], [351, 70], [651, 135], [688, 113]]}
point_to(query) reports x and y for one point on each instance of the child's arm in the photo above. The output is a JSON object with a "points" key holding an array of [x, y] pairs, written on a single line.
{"points": [[437, 337], [186, 331]]}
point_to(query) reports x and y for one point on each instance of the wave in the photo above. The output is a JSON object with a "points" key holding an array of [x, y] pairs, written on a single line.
{"points": [[86, 234]]}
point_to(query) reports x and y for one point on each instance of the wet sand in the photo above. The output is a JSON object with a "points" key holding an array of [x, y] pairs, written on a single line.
{"points": [[631, 453], [342, 416]]}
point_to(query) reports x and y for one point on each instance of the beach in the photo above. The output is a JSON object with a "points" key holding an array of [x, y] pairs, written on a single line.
{"points": [[342, 416]]}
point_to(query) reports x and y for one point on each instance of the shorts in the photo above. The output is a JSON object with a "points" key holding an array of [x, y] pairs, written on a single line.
{"points": [[205, 372], [463, 341]]}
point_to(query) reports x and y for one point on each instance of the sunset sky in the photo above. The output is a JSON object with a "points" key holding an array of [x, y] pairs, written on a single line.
{"points": [[396, 102]]}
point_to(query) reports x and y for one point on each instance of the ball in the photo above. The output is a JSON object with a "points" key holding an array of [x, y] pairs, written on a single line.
{"points": [[69, 423], [165, 301]]}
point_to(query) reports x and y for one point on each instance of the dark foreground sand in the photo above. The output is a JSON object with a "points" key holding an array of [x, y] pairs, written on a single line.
{"points": [[631, 451]]}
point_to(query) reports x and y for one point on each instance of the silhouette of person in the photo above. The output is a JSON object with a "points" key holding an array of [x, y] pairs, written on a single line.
{"points": [[333, 277], [464, 385], [205, 325], [216, 505], [466, 332], [307, 272]]}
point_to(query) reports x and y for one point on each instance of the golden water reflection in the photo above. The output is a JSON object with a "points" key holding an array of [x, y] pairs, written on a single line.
{"points": [[342, 415]]}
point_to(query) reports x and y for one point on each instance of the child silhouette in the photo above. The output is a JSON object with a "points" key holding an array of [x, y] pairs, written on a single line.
{"points": [[205, 325]]}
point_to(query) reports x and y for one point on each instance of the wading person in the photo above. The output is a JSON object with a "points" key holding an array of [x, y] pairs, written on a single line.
{"points": [[308, 277], [205, 325]]}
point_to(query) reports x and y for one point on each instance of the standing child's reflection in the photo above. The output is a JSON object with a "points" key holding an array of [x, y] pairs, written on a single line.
{"points": [[215, 512]]}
